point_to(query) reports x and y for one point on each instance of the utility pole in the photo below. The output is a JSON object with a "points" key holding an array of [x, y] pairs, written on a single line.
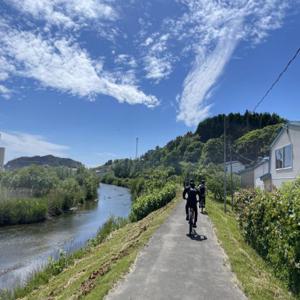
{"points": [[231, 180], [136, 147], [225, 168]]}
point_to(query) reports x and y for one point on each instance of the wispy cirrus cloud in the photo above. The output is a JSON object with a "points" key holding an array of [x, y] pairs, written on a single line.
{"points": [[208, 32], [66, 13], [25, 144], [215, 29], [55, 58], [200, 35], [61, 64]]}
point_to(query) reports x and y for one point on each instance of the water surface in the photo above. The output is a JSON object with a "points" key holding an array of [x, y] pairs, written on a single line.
{"points": [[25, 248]]}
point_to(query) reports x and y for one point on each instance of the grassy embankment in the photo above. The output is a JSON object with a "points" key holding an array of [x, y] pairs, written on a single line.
{"points": [[254, 274], [92, 272]]}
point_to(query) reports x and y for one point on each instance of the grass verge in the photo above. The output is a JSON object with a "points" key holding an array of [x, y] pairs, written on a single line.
{"points": [[92, 275], [253, 273]]}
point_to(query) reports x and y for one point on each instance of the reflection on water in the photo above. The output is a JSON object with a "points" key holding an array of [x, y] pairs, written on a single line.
{"points": [[24, 248]]}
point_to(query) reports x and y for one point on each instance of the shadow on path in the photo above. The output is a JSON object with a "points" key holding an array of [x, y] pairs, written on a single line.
{"points": [[197, 237]]}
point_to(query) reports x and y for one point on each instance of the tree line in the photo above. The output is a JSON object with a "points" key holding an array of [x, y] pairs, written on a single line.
{"points": [[32, 193]]}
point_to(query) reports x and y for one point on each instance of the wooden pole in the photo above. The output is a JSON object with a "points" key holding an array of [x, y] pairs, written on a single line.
{"points": [[231, 177], [225, 168]]}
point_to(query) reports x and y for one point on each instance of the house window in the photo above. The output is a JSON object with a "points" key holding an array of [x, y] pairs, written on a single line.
{"points": [[284, 157]]}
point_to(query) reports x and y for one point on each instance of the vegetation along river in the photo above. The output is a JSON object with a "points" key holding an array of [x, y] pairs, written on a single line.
{"points": [[25, 248]]}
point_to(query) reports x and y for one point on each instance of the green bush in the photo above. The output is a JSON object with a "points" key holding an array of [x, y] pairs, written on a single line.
{"points": [[27, 195], [22, 211], [270, 223], [154, 200]]}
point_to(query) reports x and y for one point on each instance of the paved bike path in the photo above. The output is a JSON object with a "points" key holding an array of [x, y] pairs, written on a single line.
{"points": [[174, 266]]}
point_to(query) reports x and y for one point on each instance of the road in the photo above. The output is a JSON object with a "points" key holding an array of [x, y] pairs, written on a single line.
{"points": [[174, 266]]}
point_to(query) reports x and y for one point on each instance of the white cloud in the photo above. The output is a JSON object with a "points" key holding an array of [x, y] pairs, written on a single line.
{"points": [[127, 60], [202, 77], [67, 13], [63, 65], [157, 61], [24, 144], [212, 30], [5, 92]]}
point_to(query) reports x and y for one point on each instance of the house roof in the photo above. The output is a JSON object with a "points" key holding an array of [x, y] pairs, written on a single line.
{"points": [[282, 130], [233, 162], [255, 165]]}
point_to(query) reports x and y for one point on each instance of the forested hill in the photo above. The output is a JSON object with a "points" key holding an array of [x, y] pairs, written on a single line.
{"points": [[236, 124], [47, 160], [249, 135]]}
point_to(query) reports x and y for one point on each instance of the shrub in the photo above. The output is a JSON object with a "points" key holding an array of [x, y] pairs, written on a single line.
{"points": [[28, 194], [270, 223], [22, 211], [147, 203]]}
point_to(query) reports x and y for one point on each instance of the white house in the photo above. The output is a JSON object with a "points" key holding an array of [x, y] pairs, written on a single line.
{"points": [[284, 156], [236, 166]]}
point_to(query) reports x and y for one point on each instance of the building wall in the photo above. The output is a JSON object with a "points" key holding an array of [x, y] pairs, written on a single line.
{"points": [[247, 179], [290, 136], [236, 167], [259, 171], [2, 153]]}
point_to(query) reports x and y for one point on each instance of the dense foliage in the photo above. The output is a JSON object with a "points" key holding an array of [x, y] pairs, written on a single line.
{"points": [[270, 223], [47, 160], [214, 178], [237, 124], [30, 194], [250, 136], [143, 183], [255, 143], [154, 200]]}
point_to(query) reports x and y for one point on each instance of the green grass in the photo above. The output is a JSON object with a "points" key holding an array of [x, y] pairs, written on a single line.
{"points": [[253, 273], [92, 272]]}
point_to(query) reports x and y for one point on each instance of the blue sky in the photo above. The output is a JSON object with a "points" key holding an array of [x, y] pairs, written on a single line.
{"points": [[83, 79]]}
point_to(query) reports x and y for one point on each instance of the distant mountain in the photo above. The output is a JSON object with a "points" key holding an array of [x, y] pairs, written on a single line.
{"points": [[47, 160]]}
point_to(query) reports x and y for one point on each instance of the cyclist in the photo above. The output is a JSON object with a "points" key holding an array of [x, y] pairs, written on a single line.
{"points": [[190, 194], [202, 193]]}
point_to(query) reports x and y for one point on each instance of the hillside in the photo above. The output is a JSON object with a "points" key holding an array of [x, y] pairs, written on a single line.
{"points": [[47, 160], [249, 137]]}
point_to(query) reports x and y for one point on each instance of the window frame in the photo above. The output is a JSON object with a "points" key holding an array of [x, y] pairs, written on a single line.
{"points": [[283, 157]]}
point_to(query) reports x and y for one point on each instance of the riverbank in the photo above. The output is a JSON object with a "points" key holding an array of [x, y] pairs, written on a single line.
{"points": [[35, 193], [25, 249], [92, 275]]}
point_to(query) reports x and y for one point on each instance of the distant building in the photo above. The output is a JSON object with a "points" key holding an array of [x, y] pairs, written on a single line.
{"points": [[2, 154], [260, 169], [247, 178], [236, 166]]}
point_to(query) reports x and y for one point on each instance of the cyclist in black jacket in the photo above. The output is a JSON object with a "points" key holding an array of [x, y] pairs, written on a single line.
{"points": [[190, 194]]}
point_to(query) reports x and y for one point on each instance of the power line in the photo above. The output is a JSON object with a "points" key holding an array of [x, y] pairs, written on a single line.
{"points": [[276, 80]]}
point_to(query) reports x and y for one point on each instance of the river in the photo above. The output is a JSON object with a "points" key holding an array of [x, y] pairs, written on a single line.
{"points": [[26, 248]]}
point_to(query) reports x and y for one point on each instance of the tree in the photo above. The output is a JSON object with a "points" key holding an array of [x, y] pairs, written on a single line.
{"points": [[212, 152]]}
